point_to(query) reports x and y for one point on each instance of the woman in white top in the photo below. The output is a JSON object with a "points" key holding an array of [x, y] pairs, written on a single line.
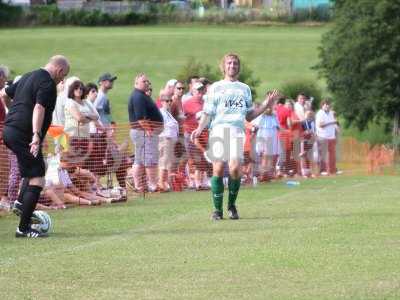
{"points": [[168, 138], [78, 114]]}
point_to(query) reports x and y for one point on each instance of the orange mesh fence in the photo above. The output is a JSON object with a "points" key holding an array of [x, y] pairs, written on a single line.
{"points": [[105, 165]]}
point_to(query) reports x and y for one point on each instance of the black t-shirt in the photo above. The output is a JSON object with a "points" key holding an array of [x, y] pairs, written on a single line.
{"points": [[142, 107], [34, 87]]}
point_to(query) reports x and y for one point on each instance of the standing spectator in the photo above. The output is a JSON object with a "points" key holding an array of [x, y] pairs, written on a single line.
{"points": [[307, 143], [326, 138], [283, 114], [102, 102], [4, 167], [34, 98], [190, 83], [146, 123], [79, 112], [267, 146], [229, 103], [167, 91], [299, 106], [62, 96], [168, 139], [191, 107]]}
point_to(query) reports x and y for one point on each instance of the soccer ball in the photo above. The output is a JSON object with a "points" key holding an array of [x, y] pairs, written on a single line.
{"points": [[44, 226]]}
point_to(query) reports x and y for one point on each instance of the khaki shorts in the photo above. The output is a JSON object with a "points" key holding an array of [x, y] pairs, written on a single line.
{"points": [[166, 149]]}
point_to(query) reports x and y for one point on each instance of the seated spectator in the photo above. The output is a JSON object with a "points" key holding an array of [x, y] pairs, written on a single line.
{"points": [[116, 159], [80, 182], [168, 139]]}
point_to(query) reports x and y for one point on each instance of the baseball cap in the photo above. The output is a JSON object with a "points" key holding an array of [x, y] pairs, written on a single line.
{"points": [[172, 82], [107, 76], [198, 86]]}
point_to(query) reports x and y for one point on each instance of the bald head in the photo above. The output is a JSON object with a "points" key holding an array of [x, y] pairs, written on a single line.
{"points": [[58, 67]]}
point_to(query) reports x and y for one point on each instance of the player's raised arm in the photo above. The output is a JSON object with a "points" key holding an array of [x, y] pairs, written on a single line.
{"points": [[269, 101]]}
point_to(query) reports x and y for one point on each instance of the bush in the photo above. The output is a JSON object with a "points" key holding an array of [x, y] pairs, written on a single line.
{"points": [[10, 15], [309, 87], [193, 67]]}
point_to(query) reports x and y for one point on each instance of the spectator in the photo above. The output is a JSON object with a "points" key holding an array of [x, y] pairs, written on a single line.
{"points": [[117, 160], [299, 106], [102, 102], [4, 201], [78, 114], [97, 136], [168, 139], [191, 107], [267, 145], [326, 138], [190, 83], [146, 123], [295, 130], [62, 96], [307, 143], [167, 91], [283, 114]]}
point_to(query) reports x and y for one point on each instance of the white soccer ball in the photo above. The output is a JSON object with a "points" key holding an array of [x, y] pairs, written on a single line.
{"points": [[45, 221]]}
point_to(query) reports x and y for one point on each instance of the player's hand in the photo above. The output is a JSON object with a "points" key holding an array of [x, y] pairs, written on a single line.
{"points": [[270, 98], [35, 145], [195, 134]]}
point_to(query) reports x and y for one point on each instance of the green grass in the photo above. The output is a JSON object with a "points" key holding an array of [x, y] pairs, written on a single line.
{"points": [[333, 238], [276, 54]]}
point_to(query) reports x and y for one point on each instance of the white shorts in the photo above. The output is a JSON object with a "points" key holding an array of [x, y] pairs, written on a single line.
{"points": [[226, 143]]}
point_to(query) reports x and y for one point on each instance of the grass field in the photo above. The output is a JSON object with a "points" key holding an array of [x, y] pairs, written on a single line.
{"points": [[275, 54], [332, 238]]}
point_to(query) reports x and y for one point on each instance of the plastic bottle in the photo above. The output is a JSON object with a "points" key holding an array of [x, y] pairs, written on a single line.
{"points": [[292, 183]]}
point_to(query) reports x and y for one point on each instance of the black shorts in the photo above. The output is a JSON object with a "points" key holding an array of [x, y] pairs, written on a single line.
{"points": [[18, 142]]}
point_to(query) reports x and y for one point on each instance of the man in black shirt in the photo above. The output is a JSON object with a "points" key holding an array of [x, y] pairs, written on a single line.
{"points": [[29, 117], [147, 123]]}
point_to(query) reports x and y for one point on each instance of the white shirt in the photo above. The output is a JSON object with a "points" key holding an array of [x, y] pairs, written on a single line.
{"points": [[299, 110], [228, 103], [327, 132], [171, 127], [72, 126]]}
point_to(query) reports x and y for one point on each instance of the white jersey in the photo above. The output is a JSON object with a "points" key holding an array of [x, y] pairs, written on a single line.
{"points": [[228, 103]]}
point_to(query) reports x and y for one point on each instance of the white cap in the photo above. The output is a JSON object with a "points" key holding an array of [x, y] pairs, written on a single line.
{"points": [[172, 82], [198, 86]]}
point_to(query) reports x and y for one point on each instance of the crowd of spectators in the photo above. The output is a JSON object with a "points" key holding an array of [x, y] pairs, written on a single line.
{"points": [[288, 140]]}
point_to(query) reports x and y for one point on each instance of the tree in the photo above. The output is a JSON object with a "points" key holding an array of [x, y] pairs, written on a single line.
{"points": [[360, 60]]}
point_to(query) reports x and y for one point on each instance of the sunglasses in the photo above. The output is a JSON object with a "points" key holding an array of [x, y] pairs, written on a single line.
{"points": [[168, 101], [180, 88], [79, 88]]}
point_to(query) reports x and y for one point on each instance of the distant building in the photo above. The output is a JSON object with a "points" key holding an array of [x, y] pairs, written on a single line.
{"points": [[25, 2], [287, 5]]}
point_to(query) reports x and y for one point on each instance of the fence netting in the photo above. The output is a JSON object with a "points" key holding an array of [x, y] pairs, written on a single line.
{"points": [[125, 161]]}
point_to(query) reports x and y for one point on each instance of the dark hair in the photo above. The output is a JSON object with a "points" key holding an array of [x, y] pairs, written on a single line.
{"points": [[281, 100], [74, 86], [90, 86], [325, 101], [189, 80]]}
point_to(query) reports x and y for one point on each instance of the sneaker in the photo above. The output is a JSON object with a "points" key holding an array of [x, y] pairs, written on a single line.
{"points": [[17, 210], [30, 233], [324, 173], [217, 215], [232, 212], [338, 172]]}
